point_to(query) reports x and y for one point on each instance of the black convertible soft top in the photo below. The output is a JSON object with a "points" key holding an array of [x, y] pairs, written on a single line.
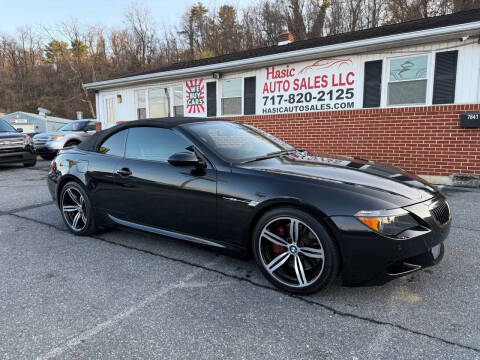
{"points": [[92, 143]]}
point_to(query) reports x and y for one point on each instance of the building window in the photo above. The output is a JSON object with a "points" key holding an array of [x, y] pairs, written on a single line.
{"points": [[232, 97], [408, 81], [141, 104], [177, 100], [158, 103], [91, 126], [249, 96]]}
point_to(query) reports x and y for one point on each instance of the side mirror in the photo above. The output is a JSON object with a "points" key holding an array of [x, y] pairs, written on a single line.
{"points": [[19, 130], [186, 159]]}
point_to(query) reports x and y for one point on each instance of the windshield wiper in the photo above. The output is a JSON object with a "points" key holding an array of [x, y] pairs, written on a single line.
{"points": [[270, 155]]}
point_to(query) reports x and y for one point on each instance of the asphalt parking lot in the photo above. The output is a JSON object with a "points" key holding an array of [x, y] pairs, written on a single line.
{"points": [[125, 294]]}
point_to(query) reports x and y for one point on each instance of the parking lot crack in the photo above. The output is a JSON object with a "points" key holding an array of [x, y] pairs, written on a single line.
{"points": [[326, 307], [116, 319], [24, 208]]}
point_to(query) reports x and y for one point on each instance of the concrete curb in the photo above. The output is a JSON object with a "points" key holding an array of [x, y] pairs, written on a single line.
{"points": [[466, 180], [460, 180]]}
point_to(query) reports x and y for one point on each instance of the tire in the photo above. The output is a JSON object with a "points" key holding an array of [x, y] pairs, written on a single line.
{"points": [[48, 157], [304, 266], [72, 198], [30, 163]]}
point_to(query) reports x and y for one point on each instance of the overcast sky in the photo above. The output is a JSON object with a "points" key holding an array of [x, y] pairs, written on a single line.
{"points": [[18, 13]]}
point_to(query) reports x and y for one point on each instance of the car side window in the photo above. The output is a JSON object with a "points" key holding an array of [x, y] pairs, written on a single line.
{"points": [[156, 144], [114, 145], [91, 126]]}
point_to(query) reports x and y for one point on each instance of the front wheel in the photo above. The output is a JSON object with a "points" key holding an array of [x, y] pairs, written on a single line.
{"points": [[76, 209], [295, 251], [30, 163], [71, 143]]}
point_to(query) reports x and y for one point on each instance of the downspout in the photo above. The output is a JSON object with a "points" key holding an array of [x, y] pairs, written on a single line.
{"points": [[478, 77]]}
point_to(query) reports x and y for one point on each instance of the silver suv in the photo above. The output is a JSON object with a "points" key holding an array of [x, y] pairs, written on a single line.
{"points": [[47, 145]]}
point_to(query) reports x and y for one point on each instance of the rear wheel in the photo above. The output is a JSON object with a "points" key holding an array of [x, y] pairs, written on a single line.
{"points": [[76, 209], [294, 251]]}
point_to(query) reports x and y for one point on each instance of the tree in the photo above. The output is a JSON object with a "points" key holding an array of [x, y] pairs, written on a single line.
{"points": [[193, 24], [319, 10], [272, 21], [78, 50], [461, 5], [406, 10], [374, 11], [295, 21], [207, 54], [143, 32], [55, 50], [228, 30], [306, 19]]}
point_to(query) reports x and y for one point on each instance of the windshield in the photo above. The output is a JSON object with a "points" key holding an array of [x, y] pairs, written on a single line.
{"points": [[236, 142], [6, 127], [74, 126]]}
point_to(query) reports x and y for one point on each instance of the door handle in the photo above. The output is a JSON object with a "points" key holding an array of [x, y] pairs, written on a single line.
{"points": [[124, 172]]}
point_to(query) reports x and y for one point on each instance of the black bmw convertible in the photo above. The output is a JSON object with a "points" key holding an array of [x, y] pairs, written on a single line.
{"points": [[304, 218]]}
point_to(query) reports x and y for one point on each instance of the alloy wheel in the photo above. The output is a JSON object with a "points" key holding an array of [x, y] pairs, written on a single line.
{"points": [[74, 209], [291, 252]]}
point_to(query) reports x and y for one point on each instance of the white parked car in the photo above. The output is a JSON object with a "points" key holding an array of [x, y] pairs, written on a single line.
{"points": [[47, 145]]}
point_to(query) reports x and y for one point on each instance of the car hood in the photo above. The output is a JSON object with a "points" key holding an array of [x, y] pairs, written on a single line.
{"points": [[11, 135], [349, 170]]}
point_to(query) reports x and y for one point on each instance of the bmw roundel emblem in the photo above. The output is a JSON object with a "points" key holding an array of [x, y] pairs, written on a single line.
{"points": [[293, 249]]}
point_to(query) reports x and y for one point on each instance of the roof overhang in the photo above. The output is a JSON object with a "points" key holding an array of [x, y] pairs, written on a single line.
{"points": [[351, 47]]}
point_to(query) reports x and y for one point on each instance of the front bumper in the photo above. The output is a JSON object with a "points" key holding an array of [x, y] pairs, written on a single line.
{"points": [[48, 149], [373, 259], [17, 156]]}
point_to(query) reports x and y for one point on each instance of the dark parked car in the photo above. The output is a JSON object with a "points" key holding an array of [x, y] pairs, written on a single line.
{"points": [[304, 218], [15, 147]]}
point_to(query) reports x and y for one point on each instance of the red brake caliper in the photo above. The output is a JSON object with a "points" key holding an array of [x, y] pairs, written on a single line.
{"points": [[277, 249]]}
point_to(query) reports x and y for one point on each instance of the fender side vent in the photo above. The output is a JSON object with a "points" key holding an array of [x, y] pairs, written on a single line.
{"points": [[441, 213]]}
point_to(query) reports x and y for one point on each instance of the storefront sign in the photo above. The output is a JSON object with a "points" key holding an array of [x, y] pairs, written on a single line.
{"points": [[325, 84], [194, 98]]}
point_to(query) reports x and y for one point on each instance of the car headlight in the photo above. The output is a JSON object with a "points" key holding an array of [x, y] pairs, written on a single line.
{"points": [[387, 222], [54, 137]]}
